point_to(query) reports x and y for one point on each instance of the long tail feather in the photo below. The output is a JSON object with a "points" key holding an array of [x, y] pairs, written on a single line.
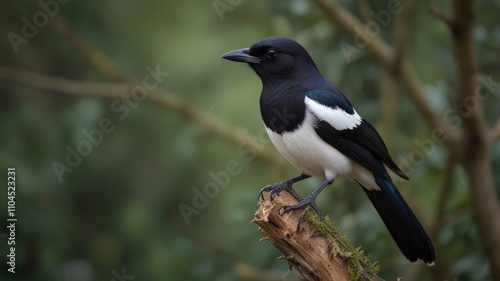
{"points": [[401, 222]]}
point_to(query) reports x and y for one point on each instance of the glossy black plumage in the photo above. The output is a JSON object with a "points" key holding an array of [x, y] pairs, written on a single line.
{"points": [[315, 127], [401, 222]]}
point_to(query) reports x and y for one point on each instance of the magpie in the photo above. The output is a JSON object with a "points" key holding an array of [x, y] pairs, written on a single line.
{"points": [[315, 127]]}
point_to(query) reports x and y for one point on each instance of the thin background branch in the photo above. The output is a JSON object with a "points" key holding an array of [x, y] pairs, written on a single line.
{"points": [[338, 14]]}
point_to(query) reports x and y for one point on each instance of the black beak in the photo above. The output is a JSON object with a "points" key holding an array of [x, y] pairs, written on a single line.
{"points": [[241, 55]]}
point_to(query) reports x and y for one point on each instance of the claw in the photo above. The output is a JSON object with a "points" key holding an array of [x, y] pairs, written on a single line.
{"points": [[264, 189], [277, 188], [308, 201]]}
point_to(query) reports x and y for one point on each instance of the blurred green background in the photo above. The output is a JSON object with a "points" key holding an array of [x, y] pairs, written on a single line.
{"points": [[116, 215]]}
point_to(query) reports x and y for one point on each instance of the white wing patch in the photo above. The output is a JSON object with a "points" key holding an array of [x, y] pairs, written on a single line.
{"points": [[338, 118]]}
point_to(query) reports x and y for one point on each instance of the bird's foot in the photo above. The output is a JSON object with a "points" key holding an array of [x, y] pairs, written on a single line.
{"points": [[277, 187], [309, 201]]}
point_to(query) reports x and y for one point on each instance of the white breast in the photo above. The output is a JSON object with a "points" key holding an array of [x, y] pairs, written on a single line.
{"points": [[311, 155]]}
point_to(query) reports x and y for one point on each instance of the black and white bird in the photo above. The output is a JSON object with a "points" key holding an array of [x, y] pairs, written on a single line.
{"points": [[314, 126]]}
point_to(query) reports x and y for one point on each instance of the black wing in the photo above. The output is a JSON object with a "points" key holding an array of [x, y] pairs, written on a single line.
{"points": [[362, 144]]}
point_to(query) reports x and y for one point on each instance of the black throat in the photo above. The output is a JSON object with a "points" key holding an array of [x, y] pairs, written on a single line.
{"points": [[282, 108]]}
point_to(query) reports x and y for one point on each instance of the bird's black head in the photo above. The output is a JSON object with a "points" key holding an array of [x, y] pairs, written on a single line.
{"points": [[276, 58]]}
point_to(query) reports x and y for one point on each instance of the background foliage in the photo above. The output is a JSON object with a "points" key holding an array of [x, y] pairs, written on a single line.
{"points": [[118, 211]]}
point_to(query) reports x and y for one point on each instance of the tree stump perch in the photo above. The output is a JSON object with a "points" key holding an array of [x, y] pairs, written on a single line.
{"points": [[318, 251]]}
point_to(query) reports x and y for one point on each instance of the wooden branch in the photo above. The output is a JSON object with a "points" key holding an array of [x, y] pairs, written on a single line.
{"points": [[476, 147], [441, 15], [467, 68], [318, 251], [402, 32], [365, 9]]}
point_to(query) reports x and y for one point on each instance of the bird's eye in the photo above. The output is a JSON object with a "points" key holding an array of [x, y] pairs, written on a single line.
{"points": [[271, 53]]}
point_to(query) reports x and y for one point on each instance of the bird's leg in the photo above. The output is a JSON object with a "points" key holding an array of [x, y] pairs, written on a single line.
{"points": [[310, 200], [283, 185]]}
